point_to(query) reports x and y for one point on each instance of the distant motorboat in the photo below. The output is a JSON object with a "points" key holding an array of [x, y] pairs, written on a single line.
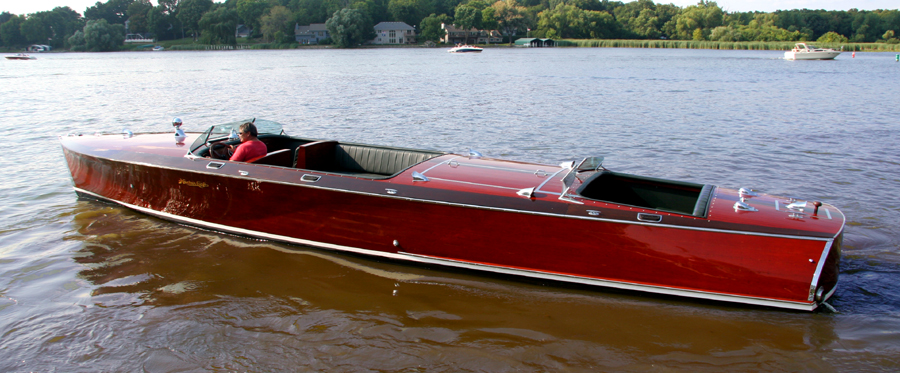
{"points": [[158, 48], [465, 49], [802, 51], [21, 56]]}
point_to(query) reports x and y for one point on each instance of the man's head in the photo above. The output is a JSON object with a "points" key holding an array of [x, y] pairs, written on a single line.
{"points": [[247, 130]]}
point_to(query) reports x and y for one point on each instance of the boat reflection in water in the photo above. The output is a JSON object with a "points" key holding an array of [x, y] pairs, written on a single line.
{"points": [[576, 222]]}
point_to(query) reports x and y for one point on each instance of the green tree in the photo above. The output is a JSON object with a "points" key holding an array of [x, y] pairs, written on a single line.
{"points": [[563, 21], [63, 22], [162, 23], [218, 26], [251, 11], [279, 19], [113, 11], [511, 17], [349, 27], [832, 37], [430, 28], [137, 16], [190, 12], [704, 16], [11, 32], [98, 36], [34, 29], [409, 11], [639, 19], [466, 18], [599, 25]]}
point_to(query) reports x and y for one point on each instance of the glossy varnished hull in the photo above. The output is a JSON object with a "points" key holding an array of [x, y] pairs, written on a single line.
{"points": [[469, 225]]}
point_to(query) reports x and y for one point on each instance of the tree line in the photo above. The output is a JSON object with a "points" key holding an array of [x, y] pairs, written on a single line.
{"points": [[350, 22]]}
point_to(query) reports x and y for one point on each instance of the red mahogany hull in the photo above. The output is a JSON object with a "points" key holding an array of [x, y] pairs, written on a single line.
{"points": [[473, 225]]}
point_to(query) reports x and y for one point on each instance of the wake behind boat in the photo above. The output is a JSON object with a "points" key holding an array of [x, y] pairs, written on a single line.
{"points": [[465, 49], [577, 222], [802, 51]]}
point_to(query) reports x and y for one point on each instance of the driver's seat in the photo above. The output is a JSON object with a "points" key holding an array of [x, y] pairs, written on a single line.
{"points": [[277, 158]]}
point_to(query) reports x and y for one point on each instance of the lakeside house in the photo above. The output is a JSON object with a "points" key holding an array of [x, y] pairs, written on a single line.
{"points": [[38, 48], [394, 33], [242, 31], [138, 38], [455, 35], [311, 34]]}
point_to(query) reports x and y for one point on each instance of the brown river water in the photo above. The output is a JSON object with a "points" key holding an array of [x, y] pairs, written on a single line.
{"points": [[89, 286]]}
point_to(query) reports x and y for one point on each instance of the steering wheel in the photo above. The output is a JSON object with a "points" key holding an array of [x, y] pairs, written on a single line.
{"points": [[219, 150]]}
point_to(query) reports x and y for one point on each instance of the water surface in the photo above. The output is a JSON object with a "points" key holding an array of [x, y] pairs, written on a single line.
{"points": [[90, 286]]}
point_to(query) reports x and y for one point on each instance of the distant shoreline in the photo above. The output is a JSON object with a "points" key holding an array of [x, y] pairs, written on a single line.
{"points": [[564, 43]]}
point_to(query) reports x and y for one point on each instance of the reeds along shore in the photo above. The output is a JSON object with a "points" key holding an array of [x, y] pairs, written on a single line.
{"points": [[739, 45]]}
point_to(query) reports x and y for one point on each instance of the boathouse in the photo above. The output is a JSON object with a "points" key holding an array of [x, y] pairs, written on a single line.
{"points": [[535, 43]]}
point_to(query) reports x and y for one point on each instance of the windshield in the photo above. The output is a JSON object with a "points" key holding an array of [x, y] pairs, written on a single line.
{"points": [[222, 131]]}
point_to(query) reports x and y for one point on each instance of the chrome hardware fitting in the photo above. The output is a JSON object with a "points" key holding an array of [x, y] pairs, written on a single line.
{"points": [[541, 173], [243, 173], [527, 192], [652, 218], [569, 164], [743, 206], [391, 191], [453, 164], [474, 154], [798, 205], [593, 212], [233, 136], [746, 192], [126, 133], [396, 243], [417, 176], [797, 215], [215, 165], [310, 178]]}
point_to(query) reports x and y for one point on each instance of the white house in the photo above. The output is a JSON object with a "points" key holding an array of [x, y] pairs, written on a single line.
{"points": [[311, 34], [394, 33]]}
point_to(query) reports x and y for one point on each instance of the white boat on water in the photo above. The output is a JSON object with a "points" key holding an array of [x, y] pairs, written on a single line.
{"points": [[802, 51], [465, 49], [158, 48], [20, 56]]}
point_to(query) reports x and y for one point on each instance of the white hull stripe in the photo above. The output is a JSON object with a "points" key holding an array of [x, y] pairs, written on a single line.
{"points": [[468, 265]]}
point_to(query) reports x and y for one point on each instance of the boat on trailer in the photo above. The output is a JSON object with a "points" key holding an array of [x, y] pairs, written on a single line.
{"points": [[576, 222]]}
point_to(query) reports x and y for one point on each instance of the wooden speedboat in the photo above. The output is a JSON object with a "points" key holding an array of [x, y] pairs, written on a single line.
{"points": [[465, 49], [802, 51], [21, 56], [576, 222]]}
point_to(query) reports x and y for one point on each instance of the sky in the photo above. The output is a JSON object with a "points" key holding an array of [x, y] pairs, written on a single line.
{"points": [[32, 6]]}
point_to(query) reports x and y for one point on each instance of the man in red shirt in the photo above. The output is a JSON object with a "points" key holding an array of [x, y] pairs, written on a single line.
{"points": [[250, 146]]}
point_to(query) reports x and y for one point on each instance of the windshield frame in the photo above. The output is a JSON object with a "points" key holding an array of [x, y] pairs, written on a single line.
{"points": [[223, 131]]}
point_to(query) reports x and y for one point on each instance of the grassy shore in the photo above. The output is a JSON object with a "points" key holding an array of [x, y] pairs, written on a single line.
{"points": [[739, 45]]}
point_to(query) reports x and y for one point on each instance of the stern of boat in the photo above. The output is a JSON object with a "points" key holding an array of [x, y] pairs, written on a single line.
{"points": [[826, 285]]}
